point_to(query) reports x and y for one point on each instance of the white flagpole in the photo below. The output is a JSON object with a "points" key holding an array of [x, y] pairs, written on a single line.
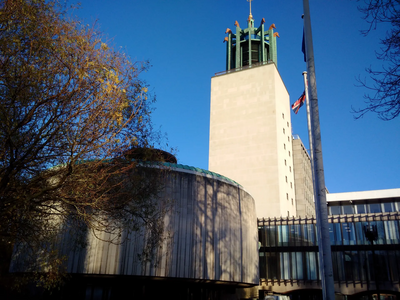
{"points": [[321, 209], [308, 116]]}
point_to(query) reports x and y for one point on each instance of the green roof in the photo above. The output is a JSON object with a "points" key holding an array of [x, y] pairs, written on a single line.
{"points": [[201, 171]]}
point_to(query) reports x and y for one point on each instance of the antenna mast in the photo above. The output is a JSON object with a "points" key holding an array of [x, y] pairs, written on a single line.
{"points": [[250, 15]]}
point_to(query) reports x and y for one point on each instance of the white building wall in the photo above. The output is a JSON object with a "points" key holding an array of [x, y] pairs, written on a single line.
{"points": [[303, 179], [250, 137]]}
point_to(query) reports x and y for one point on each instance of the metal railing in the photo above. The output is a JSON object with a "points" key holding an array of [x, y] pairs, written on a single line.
{"points": [[254, 65]]}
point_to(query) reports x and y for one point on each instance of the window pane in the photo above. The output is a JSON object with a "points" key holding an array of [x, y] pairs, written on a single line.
{"points": [[271, 235], [272, 266], [312, 265], [337, 232], [285, 265], [392, 232], [393, 264], [283, 233], [348, 209], [309, 234], [388, 207], [349, 237], [375, 208], [331, 234], [361, 209], [335, 210], [381, 233], [360, 232]]}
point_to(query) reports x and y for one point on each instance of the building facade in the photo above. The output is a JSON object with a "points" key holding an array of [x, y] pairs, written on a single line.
{"points": [[250, 128], [364, 231], [200, 252], [303, 181]]}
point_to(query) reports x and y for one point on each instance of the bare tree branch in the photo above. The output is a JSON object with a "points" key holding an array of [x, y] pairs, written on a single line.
{"points": [[384, 98]]}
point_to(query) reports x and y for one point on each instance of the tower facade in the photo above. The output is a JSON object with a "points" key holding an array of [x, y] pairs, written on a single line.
{"points": [[303, 183], [250, 128]]}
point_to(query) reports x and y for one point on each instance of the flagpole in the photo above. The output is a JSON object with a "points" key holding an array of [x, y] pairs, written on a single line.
{"points": [[308, 116], [321, 209]]}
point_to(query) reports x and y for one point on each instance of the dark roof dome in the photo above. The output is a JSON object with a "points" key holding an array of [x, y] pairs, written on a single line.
{"points": [[150, 154]]}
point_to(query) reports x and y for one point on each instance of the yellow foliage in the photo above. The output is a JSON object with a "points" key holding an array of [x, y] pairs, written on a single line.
{"points": [[104, 47]]}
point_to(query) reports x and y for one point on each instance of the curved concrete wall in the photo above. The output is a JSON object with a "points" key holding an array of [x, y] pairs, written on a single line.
{"points": [[209, 233]]}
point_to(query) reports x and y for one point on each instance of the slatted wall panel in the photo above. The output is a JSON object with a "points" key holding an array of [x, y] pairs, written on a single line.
{"points": [[210, 232]]}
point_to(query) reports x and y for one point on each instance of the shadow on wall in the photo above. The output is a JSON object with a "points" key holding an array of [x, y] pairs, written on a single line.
{"points": [[205, 229]]}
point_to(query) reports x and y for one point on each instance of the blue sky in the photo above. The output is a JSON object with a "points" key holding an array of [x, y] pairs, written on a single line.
{"points": [[183, 40]]}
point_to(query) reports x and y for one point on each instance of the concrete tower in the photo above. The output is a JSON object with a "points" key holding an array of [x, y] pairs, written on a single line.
{"points": [[250, 128]]}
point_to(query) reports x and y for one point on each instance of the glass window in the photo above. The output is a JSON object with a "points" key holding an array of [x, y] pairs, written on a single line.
{"points": [[296, 234], [392, 232], [335, 210], [375, 208], [394, 265], [283, 232], [263, 265], [360, 208], [348, 264], [381, 233], [381, 265], [272, 265], [348, 209], [337, 233], [349, 236], [331, 234], [312, 265], [270, 232], [366, 262], [297, 265], [261, 236], [309, 234], [388, 207], [338, 270], [285, 265], [360, 233], [355, 265]]}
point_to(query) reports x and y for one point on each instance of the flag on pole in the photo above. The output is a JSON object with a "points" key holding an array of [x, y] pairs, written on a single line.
{"points": [[299, 103]]}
